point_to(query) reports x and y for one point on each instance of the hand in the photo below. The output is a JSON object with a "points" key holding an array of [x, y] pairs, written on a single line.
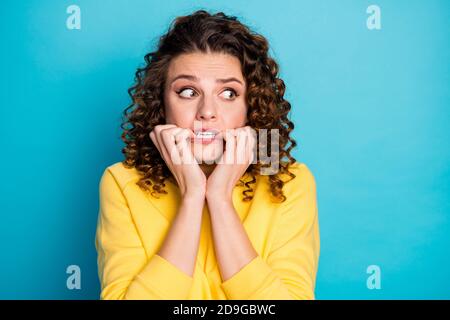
{"points": [[174, 146], [238, 155]]}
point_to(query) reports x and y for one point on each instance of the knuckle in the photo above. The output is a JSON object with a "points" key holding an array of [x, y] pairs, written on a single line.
{"points": [[178, 138], [157, 129], [165, 133]]}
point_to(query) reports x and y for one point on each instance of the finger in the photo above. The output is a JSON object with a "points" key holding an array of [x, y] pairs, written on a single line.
{"points": [[157, 130], [241, 147], [175, 152], [154, 136], [168, 139], [228, 133], [183, 142], [230, 146], [251, 146]]}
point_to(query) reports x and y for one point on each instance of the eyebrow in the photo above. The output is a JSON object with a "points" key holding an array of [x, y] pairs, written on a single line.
{"points": [[194, 78]]}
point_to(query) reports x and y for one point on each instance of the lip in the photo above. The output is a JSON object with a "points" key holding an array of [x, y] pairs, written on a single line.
{"points": [[203, 141], [216, 131], [207, 140]]}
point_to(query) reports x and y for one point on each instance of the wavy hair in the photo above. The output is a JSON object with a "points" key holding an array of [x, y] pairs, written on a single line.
{"points": [[267, 109]]}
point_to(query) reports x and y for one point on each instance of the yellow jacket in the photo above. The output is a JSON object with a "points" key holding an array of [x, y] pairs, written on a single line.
{"points": [[132, 225]]}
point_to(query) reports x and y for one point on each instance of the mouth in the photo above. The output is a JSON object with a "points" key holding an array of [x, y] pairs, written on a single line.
{"points": [[206, 137]]}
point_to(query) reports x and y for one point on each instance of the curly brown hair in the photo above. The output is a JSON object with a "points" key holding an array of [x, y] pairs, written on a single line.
{"points": [[267, 109]]}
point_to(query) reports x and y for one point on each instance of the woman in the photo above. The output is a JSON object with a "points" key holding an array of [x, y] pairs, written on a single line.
{"points": [[181, 217]]}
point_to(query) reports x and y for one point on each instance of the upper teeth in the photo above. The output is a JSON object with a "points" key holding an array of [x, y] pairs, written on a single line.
{"points": [[206, 134]]}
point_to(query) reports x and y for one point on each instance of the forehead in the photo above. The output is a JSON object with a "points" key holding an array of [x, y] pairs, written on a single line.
{"points": [[206, 65]]}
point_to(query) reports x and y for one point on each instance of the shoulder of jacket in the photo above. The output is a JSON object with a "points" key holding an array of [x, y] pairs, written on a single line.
{"points": [[122, 174], [304, 179]]}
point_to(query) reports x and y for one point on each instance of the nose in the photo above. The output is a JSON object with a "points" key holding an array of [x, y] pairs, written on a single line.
{"points": [[207, 110]]}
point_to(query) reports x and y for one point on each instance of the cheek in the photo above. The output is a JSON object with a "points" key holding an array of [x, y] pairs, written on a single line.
{"points": [[236, 118], [182, 117]]}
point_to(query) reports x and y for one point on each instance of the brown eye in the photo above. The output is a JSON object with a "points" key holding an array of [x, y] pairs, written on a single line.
{"points": [[231, 94], [186, 92]]}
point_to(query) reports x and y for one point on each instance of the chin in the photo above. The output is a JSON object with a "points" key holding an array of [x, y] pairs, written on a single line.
{"points": [[207, 153]]}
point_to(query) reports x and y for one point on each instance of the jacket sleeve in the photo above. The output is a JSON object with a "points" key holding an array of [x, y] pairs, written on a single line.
{"points": [[125, 271], [289, 272]]}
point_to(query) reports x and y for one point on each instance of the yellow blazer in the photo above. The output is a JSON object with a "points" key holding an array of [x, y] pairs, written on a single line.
{"points": [[132, 225]]}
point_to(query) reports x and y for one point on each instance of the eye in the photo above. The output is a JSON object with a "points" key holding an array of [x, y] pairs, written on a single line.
{"points": [[188, 90], [233, 93]]}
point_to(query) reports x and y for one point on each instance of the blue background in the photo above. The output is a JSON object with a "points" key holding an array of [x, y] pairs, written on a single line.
{"points": [[371, 109]]}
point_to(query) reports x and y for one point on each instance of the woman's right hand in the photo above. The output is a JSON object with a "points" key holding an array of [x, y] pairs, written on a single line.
{"points": [[174, 146]]}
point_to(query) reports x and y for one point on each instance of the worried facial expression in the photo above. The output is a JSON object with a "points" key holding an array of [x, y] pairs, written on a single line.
{"points": [[205, 92]]}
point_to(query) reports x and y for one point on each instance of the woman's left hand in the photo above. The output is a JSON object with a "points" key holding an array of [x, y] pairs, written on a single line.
{"points": [[238, 155]]}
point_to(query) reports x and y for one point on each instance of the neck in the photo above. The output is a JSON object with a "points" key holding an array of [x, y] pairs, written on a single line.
{"points": [[207, 169]]}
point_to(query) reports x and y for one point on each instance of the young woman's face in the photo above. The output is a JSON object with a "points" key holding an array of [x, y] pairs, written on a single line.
{"points": [[205, 91]]}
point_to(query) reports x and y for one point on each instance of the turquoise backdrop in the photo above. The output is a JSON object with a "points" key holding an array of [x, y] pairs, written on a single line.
{"points": [[371, 109]]}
